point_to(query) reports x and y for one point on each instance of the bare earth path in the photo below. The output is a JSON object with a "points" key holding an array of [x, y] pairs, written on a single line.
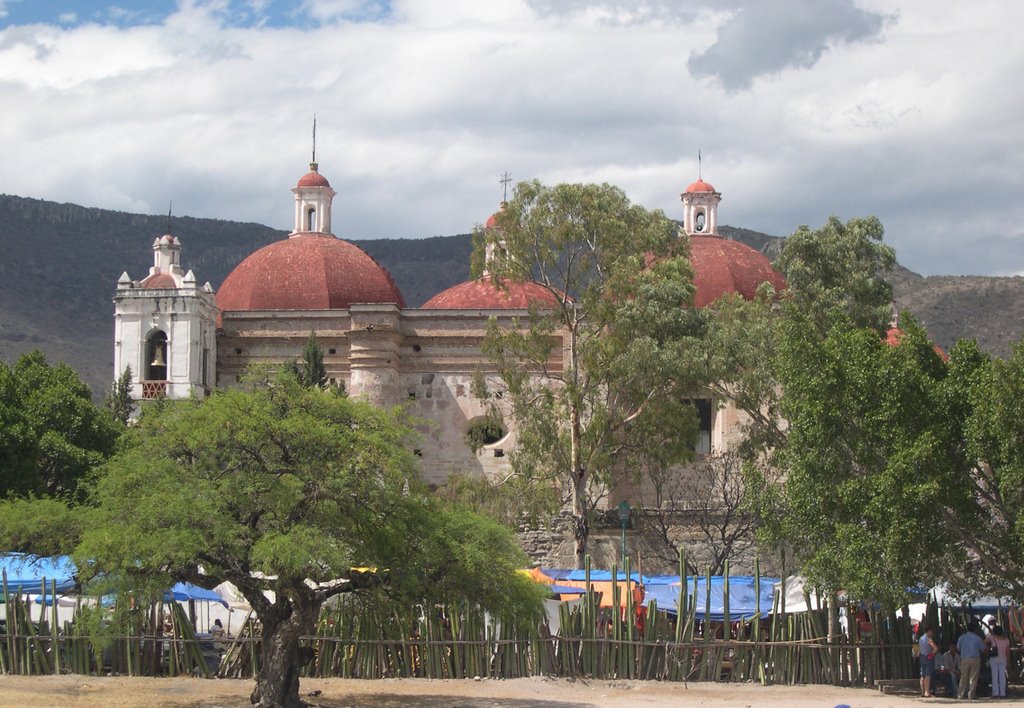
{"points": [[119, 692]]}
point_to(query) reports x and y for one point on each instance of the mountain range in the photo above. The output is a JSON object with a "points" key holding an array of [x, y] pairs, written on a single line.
{"points": [[59, 264]]}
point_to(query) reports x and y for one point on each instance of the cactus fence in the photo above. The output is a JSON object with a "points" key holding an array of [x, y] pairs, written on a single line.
{"points": [[461, 641]]}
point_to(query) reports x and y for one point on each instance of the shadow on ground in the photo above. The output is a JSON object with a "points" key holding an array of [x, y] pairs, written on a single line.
{"points": [[385, 700]]}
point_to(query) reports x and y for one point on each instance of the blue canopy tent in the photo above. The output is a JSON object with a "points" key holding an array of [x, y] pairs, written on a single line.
{"points": [[26, 573], [597, 576], [183, 592], [742, 596]]}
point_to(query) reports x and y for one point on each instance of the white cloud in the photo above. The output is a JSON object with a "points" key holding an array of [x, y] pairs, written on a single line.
{"points": [[421, 106]]}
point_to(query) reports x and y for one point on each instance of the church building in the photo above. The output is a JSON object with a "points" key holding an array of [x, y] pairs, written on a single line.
{"points": [[182, 339]]}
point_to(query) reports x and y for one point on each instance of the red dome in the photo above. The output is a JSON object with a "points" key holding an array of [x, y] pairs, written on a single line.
{"points": [[722, 266], [492, 220], [307, 272], [160, 280], [313, 179], [700, 186], [484, 294], [894, 335]]}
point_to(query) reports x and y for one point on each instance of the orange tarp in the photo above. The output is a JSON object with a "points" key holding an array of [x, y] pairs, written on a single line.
{"points": [[536, 576], [602, 586]]}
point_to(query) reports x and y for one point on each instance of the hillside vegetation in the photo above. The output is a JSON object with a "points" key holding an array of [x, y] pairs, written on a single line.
{"points": [[59, 264]]}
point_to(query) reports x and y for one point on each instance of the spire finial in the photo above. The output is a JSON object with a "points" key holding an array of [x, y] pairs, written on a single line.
{"points": [[314, 138], [505, 180], [699, 176], [170, 205]]}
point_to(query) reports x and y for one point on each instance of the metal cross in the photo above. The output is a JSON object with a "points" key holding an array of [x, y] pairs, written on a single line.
{"points": [[505, 180]]}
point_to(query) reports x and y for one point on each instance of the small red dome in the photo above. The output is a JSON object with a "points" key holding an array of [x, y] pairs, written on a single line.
{"points": [[307, 272], [700, 186], [492, 220], [313, 179], [723, 266], [160, 280], [894, 335], [484, 294]]}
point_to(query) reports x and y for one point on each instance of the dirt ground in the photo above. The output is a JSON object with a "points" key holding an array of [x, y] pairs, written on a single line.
{"points": [[119, 692]]}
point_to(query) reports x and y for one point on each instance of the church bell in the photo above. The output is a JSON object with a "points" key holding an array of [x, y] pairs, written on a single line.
{"points": [[158, 358]]}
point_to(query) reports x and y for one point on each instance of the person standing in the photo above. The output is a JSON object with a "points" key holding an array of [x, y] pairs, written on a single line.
{"points": [[926, 657], [997, 663], [970, 645]]}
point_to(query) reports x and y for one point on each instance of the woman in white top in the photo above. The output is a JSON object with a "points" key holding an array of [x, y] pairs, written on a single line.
{"points": [[997, 663]]}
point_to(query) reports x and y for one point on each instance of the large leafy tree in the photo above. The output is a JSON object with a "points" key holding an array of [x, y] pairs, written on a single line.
{"points": [[283, 488], [51, 433], [982, 511], [834, 273], [840, 269], [870, 456], [596, 382]]}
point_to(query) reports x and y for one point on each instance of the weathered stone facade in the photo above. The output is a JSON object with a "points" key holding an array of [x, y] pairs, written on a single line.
{"points": [[425, 359]]}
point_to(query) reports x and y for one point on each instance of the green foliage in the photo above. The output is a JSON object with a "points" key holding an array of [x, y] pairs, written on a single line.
{"points": [[484, 430], [51, 434], [508, 501], [274, 486], [870, 456], [615, 351], [312, 373], [840, 269], [119, 400], [44, 527], [983, 511], [888, 467]]}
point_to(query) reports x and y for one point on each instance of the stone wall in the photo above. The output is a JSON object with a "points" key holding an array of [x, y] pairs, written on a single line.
{"points": [[550, 545]]}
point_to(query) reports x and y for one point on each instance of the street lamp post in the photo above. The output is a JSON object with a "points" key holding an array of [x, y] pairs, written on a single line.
{"points": [[624, 512]]}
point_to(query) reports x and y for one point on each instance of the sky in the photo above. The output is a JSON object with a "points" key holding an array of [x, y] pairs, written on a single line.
{"points": [[910, 110]]}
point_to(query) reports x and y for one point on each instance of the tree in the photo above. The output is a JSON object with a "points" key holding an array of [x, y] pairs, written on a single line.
{"points": [[52, 435], [312, 373], [709, 496], [283, 488], [835, 272], [119, 400], [840, 269], [982, 510], [869, 458], [595, 382]]}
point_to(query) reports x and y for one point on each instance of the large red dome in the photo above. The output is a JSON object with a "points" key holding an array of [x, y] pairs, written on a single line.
{"points": [[307, 272], [484, 294], [723, 266]]}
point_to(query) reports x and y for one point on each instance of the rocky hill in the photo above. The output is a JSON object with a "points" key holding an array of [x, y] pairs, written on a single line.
{"points": [[59, 264]]}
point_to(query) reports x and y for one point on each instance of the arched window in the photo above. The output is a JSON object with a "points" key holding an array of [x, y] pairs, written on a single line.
{"points": [[156, 356], [484, 430], [699, 222], [311, 219]]}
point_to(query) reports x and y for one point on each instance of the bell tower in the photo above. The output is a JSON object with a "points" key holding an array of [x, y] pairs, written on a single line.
{"points": [[313, 197], [165, 328], [700, 209]]}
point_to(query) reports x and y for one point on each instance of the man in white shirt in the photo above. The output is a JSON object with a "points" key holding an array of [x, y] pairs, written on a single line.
{"points": [[947, 670]]}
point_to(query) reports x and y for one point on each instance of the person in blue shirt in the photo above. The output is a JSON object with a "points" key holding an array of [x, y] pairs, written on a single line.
{"points": [[970, 645], [929, 650]]}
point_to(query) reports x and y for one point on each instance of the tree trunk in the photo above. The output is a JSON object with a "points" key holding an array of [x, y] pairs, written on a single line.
{"points": [[580, 522], [277, 683]]}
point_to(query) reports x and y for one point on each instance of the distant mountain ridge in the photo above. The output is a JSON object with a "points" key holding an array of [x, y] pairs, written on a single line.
{"points": [[59, 264]]}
